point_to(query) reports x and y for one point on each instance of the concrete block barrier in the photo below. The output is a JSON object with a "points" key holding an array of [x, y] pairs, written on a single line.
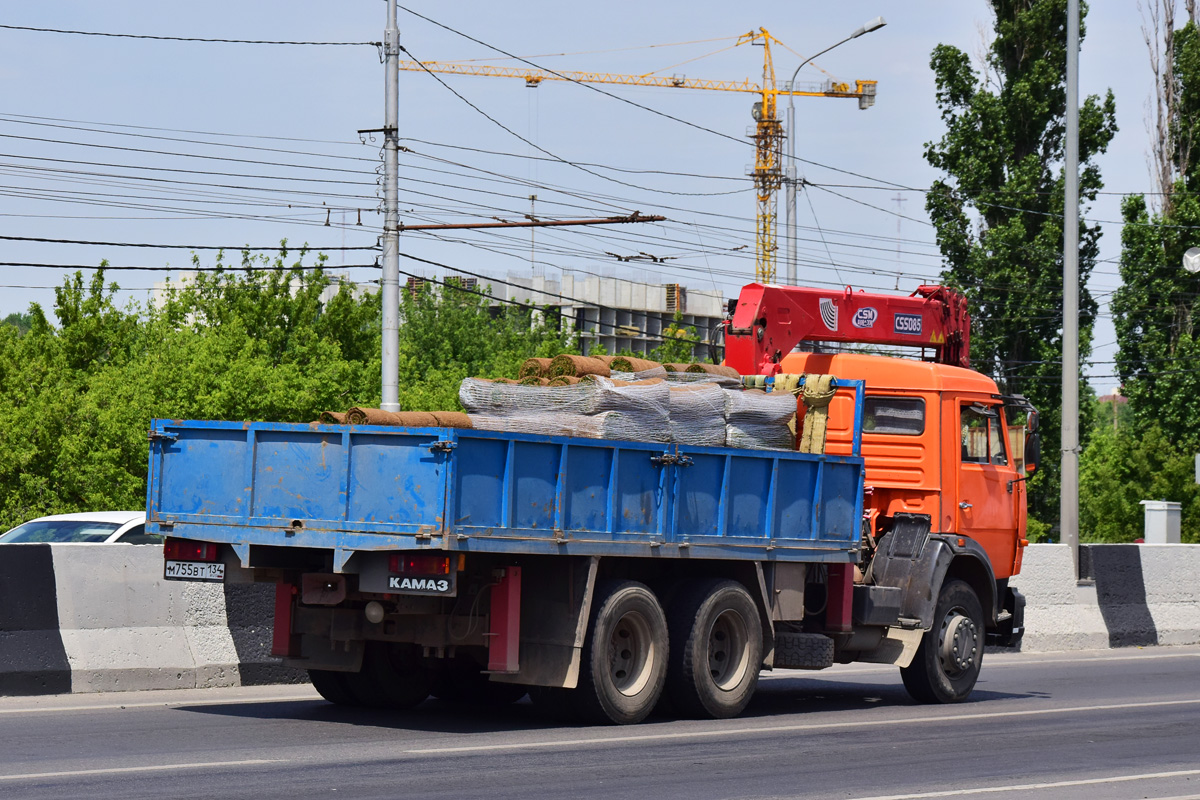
{"points": [[90, 618], [1130, 595]]}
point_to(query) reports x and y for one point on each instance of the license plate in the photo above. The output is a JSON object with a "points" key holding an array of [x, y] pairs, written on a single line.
{"points": [[194, 571]]}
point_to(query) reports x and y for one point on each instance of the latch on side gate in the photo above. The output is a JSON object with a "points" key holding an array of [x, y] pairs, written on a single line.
{"points": [[442, 446], [159, 436], [669, 459]]}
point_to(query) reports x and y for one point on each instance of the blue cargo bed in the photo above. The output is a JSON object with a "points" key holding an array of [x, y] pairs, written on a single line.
{"points": [[370, 488]]}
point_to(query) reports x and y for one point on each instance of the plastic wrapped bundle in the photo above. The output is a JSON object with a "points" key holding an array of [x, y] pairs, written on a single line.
{"points": [[702, 377], [759, 420], [605, 425], [642, 407], [755, 436], [640, 375], [698, 414]]}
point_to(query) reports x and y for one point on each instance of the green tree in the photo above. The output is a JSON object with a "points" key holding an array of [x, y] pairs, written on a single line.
{"points": [[22, 322], [1155, 311], [998, 211], [1119, 469]]}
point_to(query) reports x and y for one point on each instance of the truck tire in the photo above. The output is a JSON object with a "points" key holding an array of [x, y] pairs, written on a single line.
{"points": [[950, 655], [332, 686], [392, 676], [624, 664], [716, 650], [461, 680]]}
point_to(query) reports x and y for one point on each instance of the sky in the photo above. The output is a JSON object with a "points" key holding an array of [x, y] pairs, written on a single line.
{"points": [[125, 140]]}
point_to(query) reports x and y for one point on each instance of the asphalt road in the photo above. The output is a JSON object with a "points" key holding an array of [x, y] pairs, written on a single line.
{"points": [[1112, 724]]}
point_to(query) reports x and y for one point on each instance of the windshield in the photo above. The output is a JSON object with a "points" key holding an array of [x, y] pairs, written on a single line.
{"points": [[60, 531]]}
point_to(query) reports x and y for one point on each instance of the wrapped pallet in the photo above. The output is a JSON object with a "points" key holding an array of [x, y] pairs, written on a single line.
{"points": [[698, 414], [759, 420]]}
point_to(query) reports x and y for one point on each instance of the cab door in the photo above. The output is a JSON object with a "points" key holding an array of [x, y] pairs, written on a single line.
{"points": [[987, 484]]}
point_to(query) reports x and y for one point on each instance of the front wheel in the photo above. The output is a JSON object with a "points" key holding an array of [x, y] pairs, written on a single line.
{"points": [[950, 656], [624, 663]]}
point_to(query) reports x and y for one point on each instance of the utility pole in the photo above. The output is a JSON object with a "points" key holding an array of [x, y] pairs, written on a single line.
{"points": [[1069, 498], [791, 191], [391, 214]]}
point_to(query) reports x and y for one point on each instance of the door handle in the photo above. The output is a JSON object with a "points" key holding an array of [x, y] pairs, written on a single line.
{"points": [[965, 505]]}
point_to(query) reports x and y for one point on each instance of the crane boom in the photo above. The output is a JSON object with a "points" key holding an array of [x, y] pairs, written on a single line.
{"points": [[767, 171], [768, 321], [533, 77]]}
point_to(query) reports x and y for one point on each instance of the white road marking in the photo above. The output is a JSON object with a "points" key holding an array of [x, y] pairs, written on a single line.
{"points": [[1033, 787], [125, 770], [818, 726], [159, 704]]}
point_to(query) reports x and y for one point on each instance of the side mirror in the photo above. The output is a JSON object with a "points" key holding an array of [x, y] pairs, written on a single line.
{"points": [[1033, 452], [1032, 422]]}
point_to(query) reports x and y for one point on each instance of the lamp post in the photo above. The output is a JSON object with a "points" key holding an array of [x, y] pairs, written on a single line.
{"points": [[873, 25]]}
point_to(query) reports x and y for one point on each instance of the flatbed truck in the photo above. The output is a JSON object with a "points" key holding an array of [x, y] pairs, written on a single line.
{"points": [[606, 577]]}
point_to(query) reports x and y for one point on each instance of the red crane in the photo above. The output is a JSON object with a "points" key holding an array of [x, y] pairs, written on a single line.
{"points": [[768, 321]]}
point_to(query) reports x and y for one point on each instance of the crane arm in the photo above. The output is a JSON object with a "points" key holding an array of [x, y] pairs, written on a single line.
{"points": [[533, 77], [769, 321]]}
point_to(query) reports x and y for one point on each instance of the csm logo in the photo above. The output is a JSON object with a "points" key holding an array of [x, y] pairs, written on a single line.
{"points": [[908, 323], [425, 584], [829, 314], [865, 317]]}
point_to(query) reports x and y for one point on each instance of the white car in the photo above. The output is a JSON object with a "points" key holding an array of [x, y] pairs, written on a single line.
{"points": [[95, 527]]}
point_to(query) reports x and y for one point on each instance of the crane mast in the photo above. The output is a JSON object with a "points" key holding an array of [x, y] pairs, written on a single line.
{"points": [[767, 172]]}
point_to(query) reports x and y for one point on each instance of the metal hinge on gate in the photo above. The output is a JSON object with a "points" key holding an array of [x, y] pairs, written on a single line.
{"points": [[668, 459], [159, 436], [443, 446]]}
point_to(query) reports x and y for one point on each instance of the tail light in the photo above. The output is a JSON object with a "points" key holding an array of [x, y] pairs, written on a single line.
{"points": [[404, 564], [187, 550]]}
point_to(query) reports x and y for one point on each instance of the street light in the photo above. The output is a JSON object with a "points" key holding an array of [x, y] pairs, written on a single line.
{"points": [[873, 25]]}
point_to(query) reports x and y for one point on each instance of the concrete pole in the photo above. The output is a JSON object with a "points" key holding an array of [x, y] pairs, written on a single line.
{"points": [[1069, 510], [391, 215], [790, 175]]}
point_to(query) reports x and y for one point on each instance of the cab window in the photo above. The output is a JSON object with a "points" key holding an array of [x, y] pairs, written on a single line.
{"points": [[899, 415], [982, 439]]}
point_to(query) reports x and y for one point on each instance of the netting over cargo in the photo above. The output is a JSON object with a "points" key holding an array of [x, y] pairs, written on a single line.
{"points": [[702, 410]]}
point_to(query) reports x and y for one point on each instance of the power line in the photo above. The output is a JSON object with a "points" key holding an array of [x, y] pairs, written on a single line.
{"points": [[222, 268], [273, 248], [187, 38]]}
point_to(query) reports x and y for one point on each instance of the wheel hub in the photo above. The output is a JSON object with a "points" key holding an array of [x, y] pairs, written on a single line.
{"points": [[959, 644], [728, 650], [631, 654]]}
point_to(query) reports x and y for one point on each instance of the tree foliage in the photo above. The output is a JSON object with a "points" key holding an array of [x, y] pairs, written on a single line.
{"points": [[998, 211], [1155, 311], [273, 341]]}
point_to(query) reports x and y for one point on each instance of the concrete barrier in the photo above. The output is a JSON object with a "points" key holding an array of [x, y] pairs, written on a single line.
{"points": [[1130, 595], [92, 618]]}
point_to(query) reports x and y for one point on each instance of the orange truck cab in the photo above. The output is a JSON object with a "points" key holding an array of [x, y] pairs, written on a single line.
{"points": [[946, 459]]}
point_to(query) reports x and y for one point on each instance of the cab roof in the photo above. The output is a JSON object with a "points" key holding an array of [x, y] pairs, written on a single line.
{"points": [[885, 372]]}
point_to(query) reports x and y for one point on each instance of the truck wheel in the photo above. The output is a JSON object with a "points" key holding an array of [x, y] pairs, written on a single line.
{"points": [[716, 650], [392, 676], [461, 680], [332, 686], [951, 652], [624, 662]]}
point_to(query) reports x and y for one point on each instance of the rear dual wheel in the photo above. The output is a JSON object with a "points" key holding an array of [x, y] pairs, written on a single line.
{"points": [[716, 650], [392, 676], [624, 664]]}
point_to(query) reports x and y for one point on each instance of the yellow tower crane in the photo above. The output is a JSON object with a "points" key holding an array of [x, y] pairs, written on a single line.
{"points": [[768, 132]]}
